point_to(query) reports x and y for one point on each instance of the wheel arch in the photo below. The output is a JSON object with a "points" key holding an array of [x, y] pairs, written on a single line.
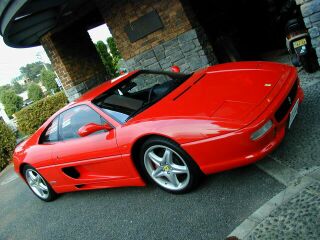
{"points": [[135, 154], [21, 167], [137, 146]]}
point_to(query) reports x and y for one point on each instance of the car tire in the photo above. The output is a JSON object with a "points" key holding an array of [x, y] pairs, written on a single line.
{"points": [[38, 184], [166, 164]]}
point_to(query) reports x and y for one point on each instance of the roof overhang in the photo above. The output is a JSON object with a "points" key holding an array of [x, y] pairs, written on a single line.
{"points": [[24, 22]]}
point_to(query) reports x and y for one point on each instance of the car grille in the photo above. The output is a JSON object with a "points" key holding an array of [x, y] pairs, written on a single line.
{"points": [[287, 103]]}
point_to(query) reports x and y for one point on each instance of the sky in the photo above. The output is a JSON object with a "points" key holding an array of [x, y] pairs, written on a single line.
{"points": [[11, 59]]}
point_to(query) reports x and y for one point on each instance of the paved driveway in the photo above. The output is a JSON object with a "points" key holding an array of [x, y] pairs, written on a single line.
{"points": [[211, 212], [221, 203], [300, 149]]}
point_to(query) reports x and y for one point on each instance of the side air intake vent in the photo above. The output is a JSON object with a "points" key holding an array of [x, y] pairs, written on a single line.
{"points": [[71, 172]]}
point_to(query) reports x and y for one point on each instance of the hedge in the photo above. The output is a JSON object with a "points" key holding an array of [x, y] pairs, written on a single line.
{"points": [[29, 119], [7, 144]]}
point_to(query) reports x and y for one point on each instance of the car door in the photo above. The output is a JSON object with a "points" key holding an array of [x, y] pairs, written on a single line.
{"points": [[42, 153], [86, 160]]}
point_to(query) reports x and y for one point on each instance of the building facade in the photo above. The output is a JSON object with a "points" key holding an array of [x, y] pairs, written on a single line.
{"points": [[150, 34]]}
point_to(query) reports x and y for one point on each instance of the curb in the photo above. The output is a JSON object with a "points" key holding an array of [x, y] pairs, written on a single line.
{"points": [[6, 169]]}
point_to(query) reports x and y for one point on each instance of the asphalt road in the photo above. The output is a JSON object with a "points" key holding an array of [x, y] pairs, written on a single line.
{"points": [[211, 212]]}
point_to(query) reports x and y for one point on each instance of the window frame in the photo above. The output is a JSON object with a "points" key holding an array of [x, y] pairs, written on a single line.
{"points": [[79, 105], [46, 129], [58, 117], [144, 71]]}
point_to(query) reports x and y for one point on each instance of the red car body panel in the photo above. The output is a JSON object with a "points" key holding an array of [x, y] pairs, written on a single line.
{"points": [[211, 116]]}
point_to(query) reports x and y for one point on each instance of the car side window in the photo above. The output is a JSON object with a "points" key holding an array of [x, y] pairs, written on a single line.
{"points": [[73, 119], [51, 133]]}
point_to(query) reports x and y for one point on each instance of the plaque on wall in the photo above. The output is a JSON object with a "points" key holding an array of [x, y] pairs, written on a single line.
{"points": [[143, 26]]}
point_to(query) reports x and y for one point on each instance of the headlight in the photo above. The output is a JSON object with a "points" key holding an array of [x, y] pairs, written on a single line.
{"points": [[263, 130]]}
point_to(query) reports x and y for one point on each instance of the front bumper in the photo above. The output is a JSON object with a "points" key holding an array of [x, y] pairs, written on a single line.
{"points": [[237, 149]]}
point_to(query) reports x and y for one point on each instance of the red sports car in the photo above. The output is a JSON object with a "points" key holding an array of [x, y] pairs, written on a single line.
{"points": [[165, 127]]}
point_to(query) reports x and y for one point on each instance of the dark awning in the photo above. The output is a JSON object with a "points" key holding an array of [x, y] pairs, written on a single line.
{"points": [[23, 22]]}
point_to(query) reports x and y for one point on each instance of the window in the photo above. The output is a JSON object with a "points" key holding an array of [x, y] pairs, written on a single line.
{"points": [[75, 118], [145, 81], [137, 93], [51, 133]]}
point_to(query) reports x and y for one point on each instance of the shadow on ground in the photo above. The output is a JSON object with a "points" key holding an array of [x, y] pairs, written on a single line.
{"points": [[211, 212]]}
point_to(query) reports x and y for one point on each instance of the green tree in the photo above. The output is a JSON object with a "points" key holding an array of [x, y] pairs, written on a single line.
{"points": [[17, 87], [11, 102], [5, 88], [113, 49], [106, 59], [48, 80], [32, 71], [35, 92], [49, 66]]}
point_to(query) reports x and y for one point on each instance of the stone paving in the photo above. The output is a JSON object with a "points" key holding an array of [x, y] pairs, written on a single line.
{"points": [[296, 219]]}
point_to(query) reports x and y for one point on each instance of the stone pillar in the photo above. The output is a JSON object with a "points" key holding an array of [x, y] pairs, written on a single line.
{"points": [[75, 60], [310, 10], [177, 43]]}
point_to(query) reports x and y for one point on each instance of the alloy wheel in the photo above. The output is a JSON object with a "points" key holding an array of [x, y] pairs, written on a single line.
{"points": [[37, 183], [166, 167]]}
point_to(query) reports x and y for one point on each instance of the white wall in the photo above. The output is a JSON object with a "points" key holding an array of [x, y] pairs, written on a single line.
{"points": [[6, 118]]}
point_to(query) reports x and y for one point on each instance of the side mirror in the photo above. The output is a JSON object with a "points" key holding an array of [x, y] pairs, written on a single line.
{"points": [[175, 69], [92, 128]]}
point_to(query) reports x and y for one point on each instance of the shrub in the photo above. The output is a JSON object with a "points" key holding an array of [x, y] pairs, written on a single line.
{"points": [[35, 92], [7, 144], [11, 101], [29, 119]]}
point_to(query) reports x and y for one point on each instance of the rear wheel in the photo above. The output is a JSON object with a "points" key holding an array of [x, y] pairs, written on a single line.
{"points": [[38, 185], [169, 166]]}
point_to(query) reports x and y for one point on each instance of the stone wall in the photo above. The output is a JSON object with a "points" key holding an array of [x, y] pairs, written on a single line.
{"points": [[75, 60], [185, 51], [310, 10], [179, 42], [120, 13]]}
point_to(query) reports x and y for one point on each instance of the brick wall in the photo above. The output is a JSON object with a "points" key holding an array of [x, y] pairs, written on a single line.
{"points": [[74, 59], [310, 10], [181, 42], [121, 12], [185, 51]]}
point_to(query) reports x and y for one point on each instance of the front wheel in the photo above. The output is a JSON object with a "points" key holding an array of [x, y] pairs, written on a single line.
{"points": [[38, 185], [169, 166]]}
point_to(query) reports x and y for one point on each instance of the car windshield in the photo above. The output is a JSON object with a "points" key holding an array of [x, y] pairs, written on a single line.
{"points": [[137, 93]]}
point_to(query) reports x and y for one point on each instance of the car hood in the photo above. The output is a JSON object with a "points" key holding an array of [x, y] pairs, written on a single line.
{"points": [[227, 92]]}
